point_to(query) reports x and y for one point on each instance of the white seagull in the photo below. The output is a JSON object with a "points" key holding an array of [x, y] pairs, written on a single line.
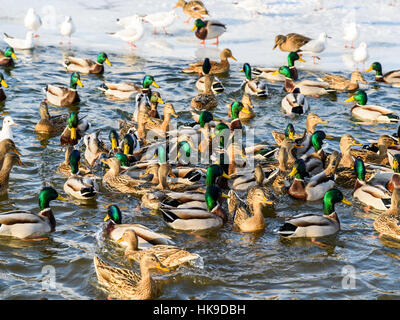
{"points": [[314, 47], [32, 20], [15, 43], [67, 28], [132, 32], [350, 33], [361, 54], [161, 19], [6, 131]]}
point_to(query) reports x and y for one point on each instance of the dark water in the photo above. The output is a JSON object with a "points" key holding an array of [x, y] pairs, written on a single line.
{"points": [[236, 265]]}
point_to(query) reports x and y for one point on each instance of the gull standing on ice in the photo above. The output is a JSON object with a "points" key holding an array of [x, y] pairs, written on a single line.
{"points": [[67, 28], [361, 54], [133, 30], [161, 20], [314, 47], [253, 6], [350, 33], [32, 20], [15, 43]]}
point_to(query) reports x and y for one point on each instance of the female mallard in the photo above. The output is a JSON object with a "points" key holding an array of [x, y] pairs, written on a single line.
{"points": [[4, 84], [125, 90], [63, 96], [208, 29], [253, 86], [50, 124], [340, 83], [194, 9], [95, 148], [128, 285], [247, 112], [27, 225], [6, 57], [216, 67], [170, 256], [198, 218], [79, 187], [268, 73], [375, 196], [10, 159], [85, 66], [388, 223], [6, 146], [312, 225], [246, 221], [306, 87], [290, 42], [363, 112], [162, 126], [295, 103], [391, 77], [74, 130], [207, 99]]}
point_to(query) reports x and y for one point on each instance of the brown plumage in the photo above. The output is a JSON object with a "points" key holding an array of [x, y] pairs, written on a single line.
{"points": [[50, 124], [10, 160], [80, 65], [193, 9], [5, 61], [61, 96], [388, 223], [379, 157], [247, 104], [6, 146], [216, 67], [290, 42], [341, 83], [207, 100]]}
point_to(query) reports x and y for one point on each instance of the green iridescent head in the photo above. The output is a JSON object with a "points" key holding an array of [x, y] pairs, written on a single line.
{"points": [[149, 81], [213, 193], [9, 53], [332, 197], [184, 148], [360, 97], [222, 131], [236, 107], [205, 117], [292, 57], [114, 214], [289, 132], [396, 162], [247, 71], [299, 169], [156, 98], [75, 80], [113, 136], [377, 67], [102, 57], [317, 139], [198, 23], [128, 144], [359, 168], [74, 160], [213, 172], [206, 66], [285, 71], [46, 195], [73, 120], [123, 159]]}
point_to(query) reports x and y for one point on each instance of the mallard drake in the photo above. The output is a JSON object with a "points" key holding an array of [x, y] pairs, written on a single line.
{"points": [[363, 112], [114, 229], [79, 187], [194, 9], [63, 96], [375, 196], [196, 218], [50, 124], [125, 90], [247, 112], [74, 130], [95, 148], [307, 87], [10, 159], [315, 46], [236, 108], [6, 146], [341, 83], [207, 99], [253, 86], [295, 103], [388, 223], [242, 218], [391, 77], [27, 225], [128, 285], [73, 64], [216, 67], [7, 56], [268, 73], [155, 99], [170, 256], [4, 84], [290, 42], [312, 225], [208, 29]]}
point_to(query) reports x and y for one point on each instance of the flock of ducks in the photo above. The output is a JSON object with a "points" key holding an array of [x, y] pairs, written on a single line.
{"points": [[145, 157]]}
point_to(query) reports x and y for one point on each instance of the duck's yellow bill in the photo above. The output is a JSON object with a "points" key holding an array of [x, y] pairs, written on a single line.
{"points": [[302, 60], [291, 136], [4, 84], [275, 72], [233, 58], [324, 121], [349, 99], [159, 100], [73, 133], [161, 267], [194, 28], [13, 56], [61, 198], [79, 83], [244, 110], [225, 175], [104, 161], [107, 218], [155, 84], [126, 149], [355, 143], [298, 147], [114, 143], [268, 201], [347, 202], [223, 195], [395, 165], [17, 152], [241, 70], [120, 240], [108, 62], [329, 137], [293, 172], [174, 115], [369, 69]]}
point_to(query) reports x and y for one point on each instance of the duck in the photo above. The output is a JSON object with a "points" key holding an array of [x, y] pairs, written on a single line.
{"points": [[161, 126], [207, 99], [23, 44], [294, 103], [6, 130], [7, 56], [315, 158], [65, 169], [170, 256], [315, 46], [197, 218], [77, 186], [4, 84], [208, 29], [10, 159], [307, 87], [27, 225], [341, 83], [63, 96], [6, 146], [360, 54], [391, 77], [67, 28], [95, 148], [124, 284], [236, 107], [350, 33], [216, 86], [310, 225], [247, 112], [74, 130], [292, 42], [267, 73], [194, 9], [253, 86], [388, 223], [161, 19], [363, 112], [155, 99], [374, 196], [125, 90], [216, 67], [50, 124], [86, 66]]}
